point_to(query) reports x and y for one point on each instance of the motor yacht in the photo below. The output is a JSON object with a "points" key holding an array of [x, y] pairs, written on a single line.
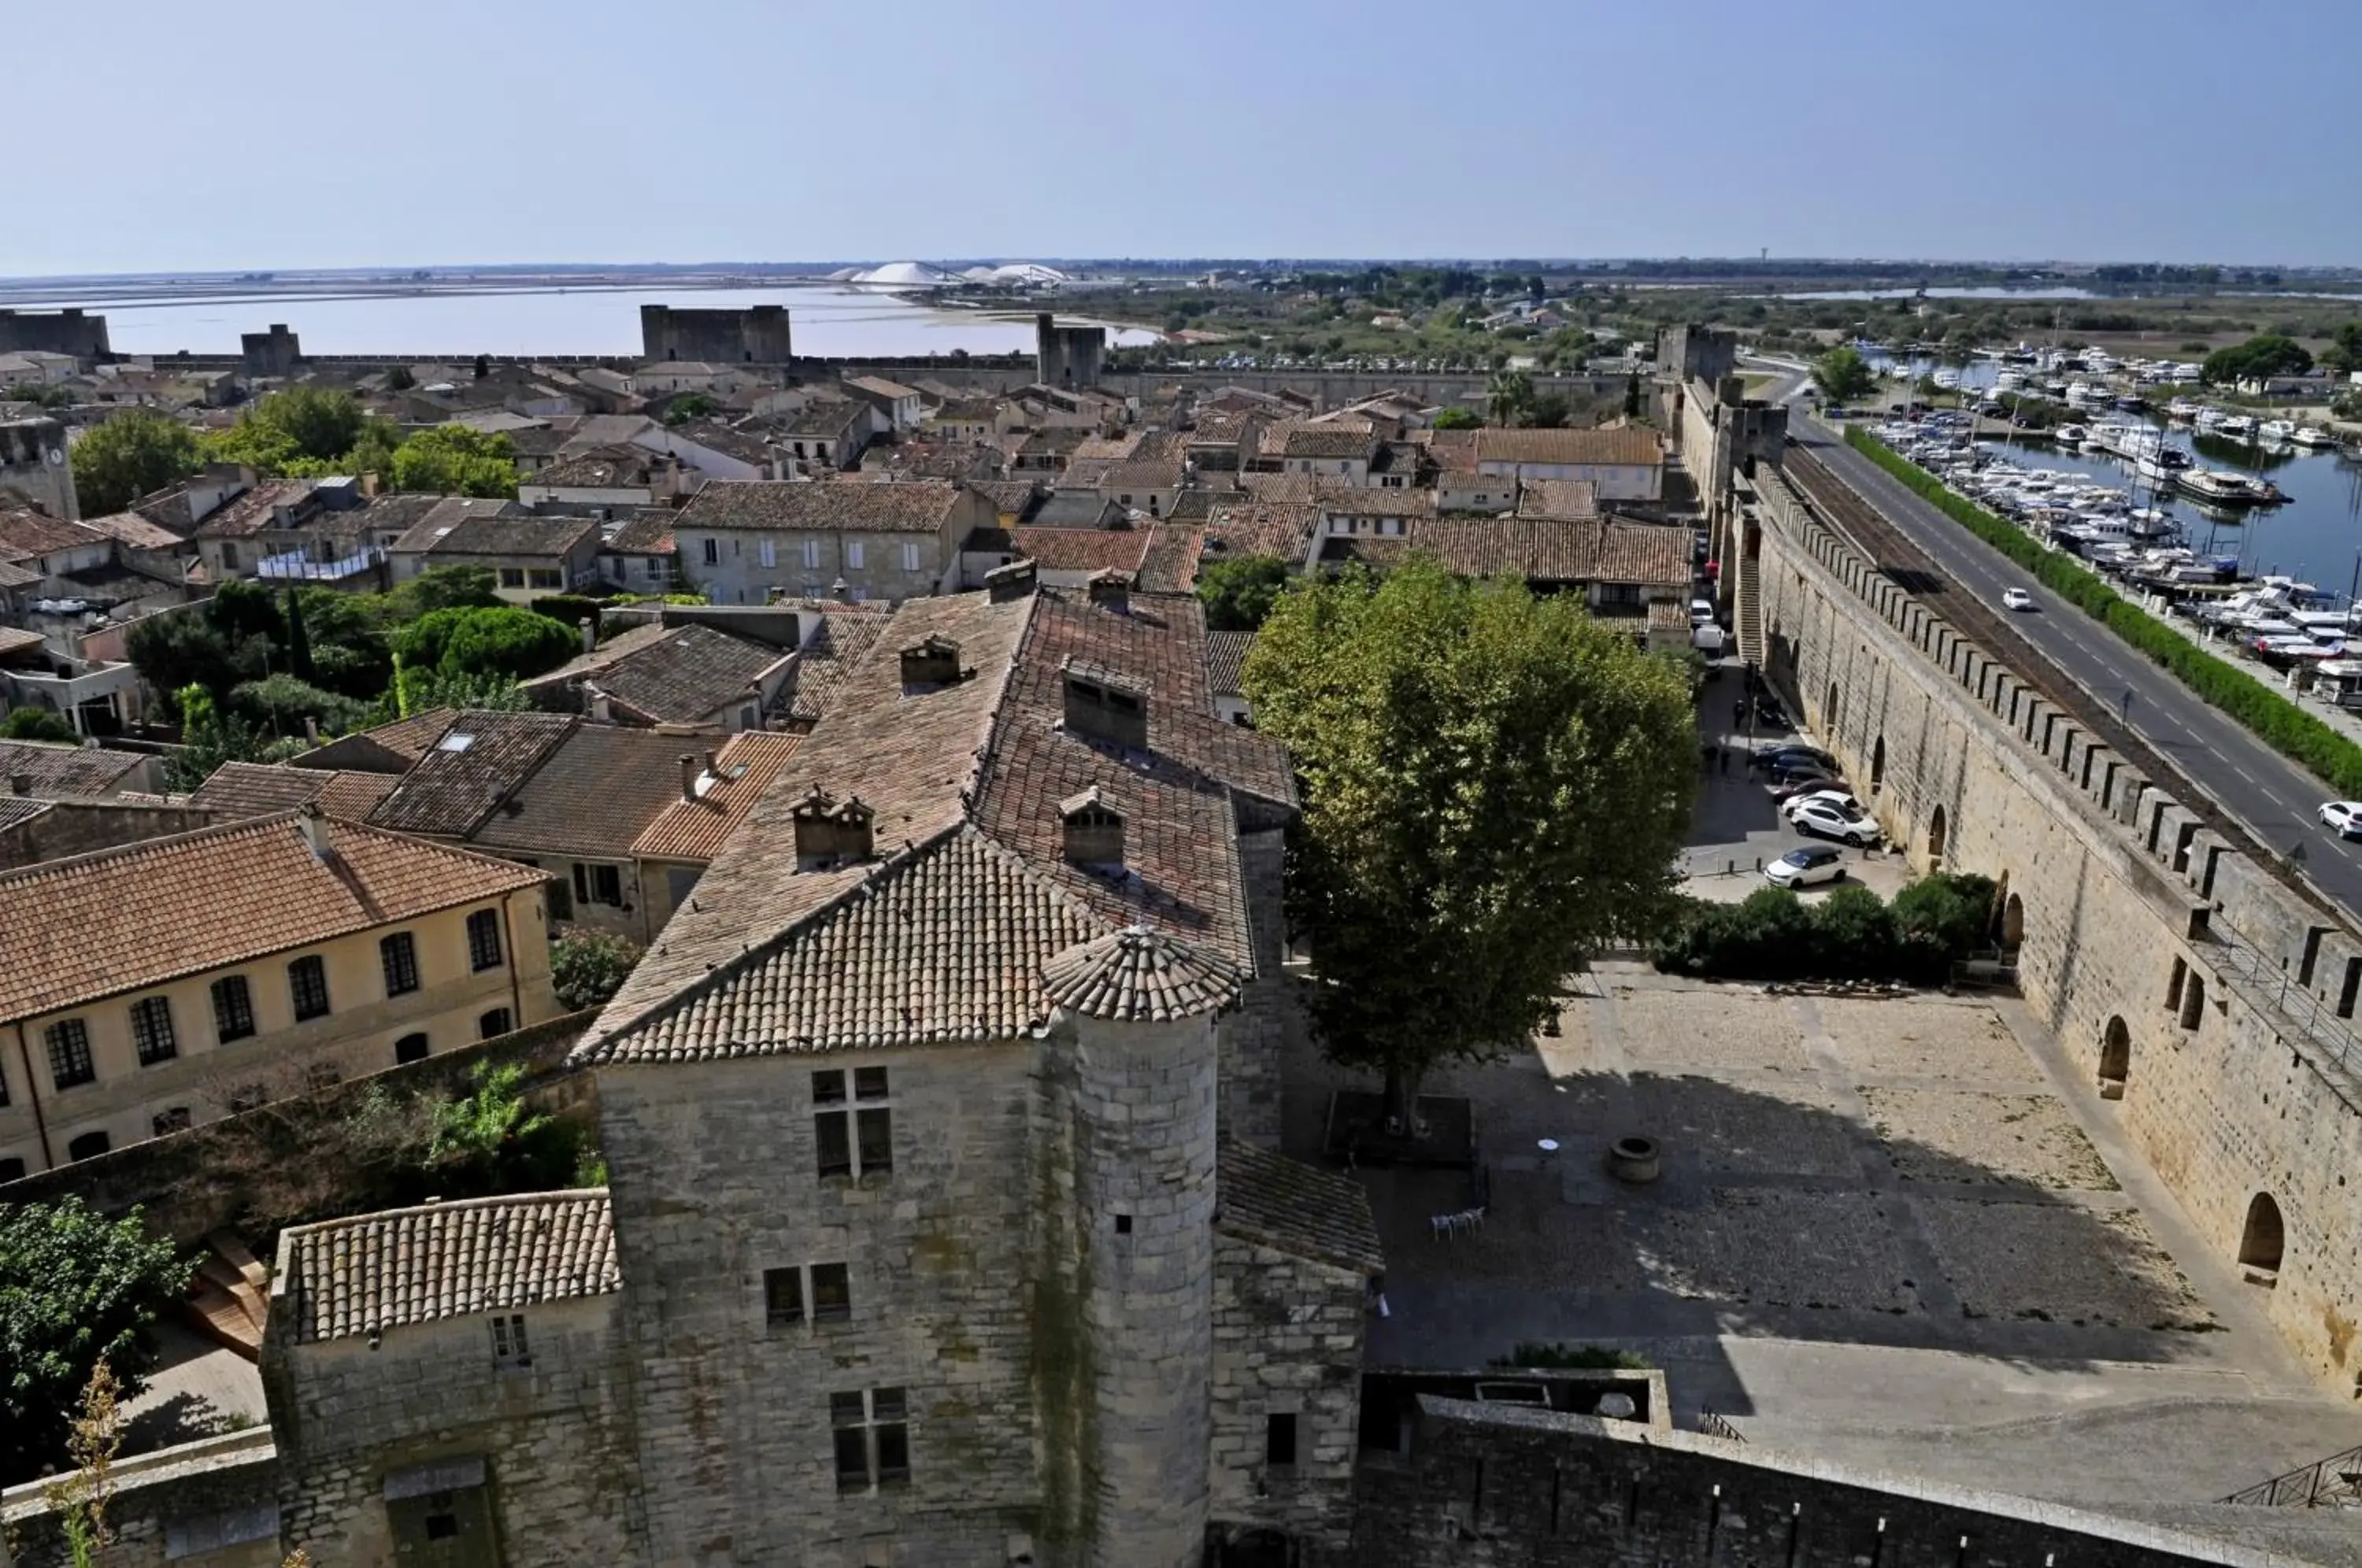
{"points": [[2275, 430], [2313, 435], [2238, 426]]}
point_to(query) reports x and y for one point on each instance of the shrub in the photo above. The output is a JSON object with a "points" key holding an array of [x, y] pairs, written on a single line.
{"points": [[1854, 935], [498, 640], [2269, 716], [568, 610], [588, 967], [1850, 934], [35, 725]]}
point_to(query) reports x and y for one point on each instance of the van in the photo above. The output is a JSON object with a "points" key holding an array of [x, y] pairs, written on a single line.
{"points": [[1700, 611]]}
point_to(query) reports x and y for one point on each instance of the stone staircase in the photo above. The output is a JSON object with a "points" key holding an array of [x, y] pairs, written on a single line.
{"points": [[1747, 607], [230, 1298]]}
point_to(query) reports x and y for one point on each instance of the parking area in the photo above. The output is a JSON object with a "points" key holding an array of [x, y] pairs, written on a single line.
{"points": [[1738, 828]]}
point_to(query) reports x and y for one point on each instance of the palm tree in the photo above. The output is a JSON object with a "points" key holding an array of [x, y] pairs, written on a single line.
{"points": [[1510, 393]]}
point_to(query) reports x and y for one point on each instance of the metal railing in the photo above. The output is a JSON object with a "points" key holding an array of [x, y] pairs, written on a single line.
{"points": [[2332, 1483], [1714, 1424], [2269, 982], [296, 566]]}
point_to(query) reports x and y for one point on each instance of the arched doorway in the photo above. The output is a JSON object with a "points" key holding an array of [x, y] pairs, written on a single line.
{"points": [[2013, 922], [1936, 835], [2260, 1241], [2115, 1059], [1878, 764], [1829, 709]]}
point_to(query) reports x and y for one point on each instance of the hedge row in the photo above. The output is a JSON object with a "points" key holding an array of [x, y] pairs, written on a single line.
{"points": [[2266, 713], [1851, 934]]}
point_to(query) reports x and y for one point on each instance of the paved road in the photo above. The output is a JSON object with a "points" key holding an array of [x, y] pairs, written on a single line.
{"points": [[2276, 799]]}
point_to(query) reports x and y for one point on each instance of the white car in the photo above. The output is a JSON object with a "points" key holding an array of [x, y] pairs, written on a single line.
{"points": [[1843, 799], [1828, 820], [2016, 599], [1803, 868], [2342, 818]]}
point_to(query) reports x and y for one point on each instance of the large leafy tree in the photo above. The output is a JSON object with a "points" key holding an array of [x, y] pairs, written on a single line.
{"points": [[1494, 785], [453, 459], [502, 640], [1843, 375], [136, 452], [1239, 594], [2259, 359], [304, 432], [75, 1288]]}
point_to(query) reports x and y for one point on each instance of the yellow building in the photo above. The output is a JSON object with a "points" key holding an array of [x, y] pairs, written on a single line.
{"points": [[150, 987]]}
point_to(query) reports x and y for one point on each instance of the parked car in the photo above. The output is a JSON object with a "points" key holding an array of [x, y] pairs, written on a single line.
{"points": [[1803, 868], [1816, 815], [2342, 818], [1771, 715], [1792, 785], [1843, 799], [2016, 599], [1772, 756]]}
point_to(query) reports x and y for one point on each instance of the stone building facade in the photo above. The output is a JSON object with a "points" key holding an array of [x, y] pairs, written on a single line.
{"points": [[34, 471], [758, 335]]}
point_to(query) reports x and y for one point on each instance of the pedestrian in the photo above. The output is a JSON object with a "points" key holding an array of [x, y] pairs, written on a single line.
{"points": [[1738, 713]]}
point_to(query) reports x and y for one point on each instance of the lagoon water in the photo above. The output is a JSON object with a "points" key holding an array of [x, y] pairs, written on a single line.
{"points": [[828, 321]]}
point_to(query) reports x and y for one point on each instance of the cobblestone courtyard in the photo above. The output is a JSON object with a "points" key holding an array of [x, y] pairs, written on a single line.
{"points": [[1882, 1224]]}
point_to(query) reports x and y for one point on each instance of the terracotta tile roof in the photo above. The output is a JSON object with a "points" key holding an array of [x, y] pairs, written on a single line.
{"points": [[943, 947], [1083, 550], [747, 765], [1296, 1208], [14, 808], [1008, 496], [603, 468], [1137, 975], [1222, 427], [57, 770], [1336, 438], [251, 513], [1226, 655], [1618, 444], [905, 506], [136, 916], [256, 789], [824, 419], [648, 533], [444, 532], [1283, 529], [814, 683], [942, 938], [1644, 553], [1568, 501], [135, 531], [477, 762], [592, 798], [437, 523], [1106, 449], [1372, 500], [1287, 488], [414, 736], [1135, 476], [1170, 564], [630, 640], [687, 675], [1669, 615], [1455, 451], [350, 1277]]}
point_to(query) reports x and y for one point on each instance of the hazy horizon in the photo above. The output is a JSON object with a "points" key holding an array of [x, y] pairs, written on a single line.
{"points": [[265, 134]]}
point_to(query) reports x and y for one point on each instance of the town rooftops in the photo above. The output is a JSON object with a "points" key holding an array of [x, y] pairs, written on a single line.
{"points": [[56, 769], [879, 386], [258, 788], [908, 506], [683, 675], [1285, 1204], [941, 930], [1226, 657], [345, 1279], [747, 765], [1137, 975], [622, 467], [1567, 501], [253, 511], [1340, 438], [596, 792], [1083, 550], [823, 419], [1647, 554], [1607, 445], [460, 527], [128, 918], [477, 761]]}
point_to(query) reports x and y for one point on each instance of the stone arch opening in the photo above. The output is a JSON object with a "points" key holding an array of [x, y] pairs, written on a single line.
{"points": [[1829, 709], [1878, 764], [2013, 922], [1937, 836], [2193, 1000], [2115, 1059], [2263, 1237]]}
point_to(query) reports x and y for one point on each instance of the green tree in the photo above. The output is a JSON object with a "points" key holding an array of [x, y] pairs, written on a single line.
{"points": [[1507, 395], [1238, 594], [419, 690], [1843, 375], [305, 430], [1494, 784], [1456, 418], [2345, 351], [453, 459], [1632, 395], [209, 737], [689, 406], [443, 588], [279, 704], [35, 725], [588, 967], [1548, 411], [299, 641], [501, 640], [132, 455], [76, 1288], [2259, 359]]}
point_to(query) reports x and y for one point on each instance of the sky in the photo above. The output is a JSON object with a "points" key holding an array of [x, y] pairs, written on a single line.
{"points": [[286, 134]]}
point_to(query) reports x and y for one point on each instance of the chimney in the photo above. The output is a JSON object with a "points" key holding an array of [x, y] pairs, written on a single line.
{"points": [[315, 829], [594, 701], [689, 776], [1094, 837], [829, 834], [1112, 589], [932, 662], [1014, 580], [590, 634], [20, 783], [1104, 706], [841, 590]]}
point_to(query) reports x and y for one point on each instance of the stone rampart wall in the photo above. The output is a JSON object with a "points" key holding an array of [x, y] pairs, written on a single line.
{"points": [[2140, 926]]}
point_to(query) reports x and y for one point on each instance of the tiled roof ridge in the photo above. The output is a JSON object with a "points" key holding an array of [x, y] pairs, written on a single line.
{"points": [[886, 868], [443, 1205], [255, 826], [1139, 974]]}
